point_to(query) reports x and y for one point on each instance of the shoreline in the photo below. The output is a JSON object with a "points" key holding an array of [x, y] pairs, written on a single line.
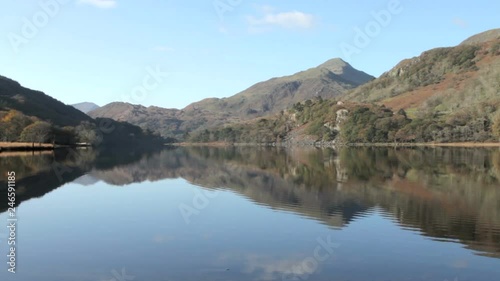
{"points": [[454, 144], [28, 147], [24, 146]]}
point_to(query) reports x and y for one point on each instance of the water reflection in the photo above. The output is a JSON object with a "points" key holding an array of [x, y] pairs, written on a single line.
{"points": [[447, 194]]}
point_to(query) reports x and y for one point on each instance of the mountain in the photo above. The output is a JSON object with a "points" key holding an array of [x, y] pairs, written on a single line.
{"points": [[32, 116], [35, 103], [443, 80], [85, 107], [156, 119], [444, 95], [330, 79]]}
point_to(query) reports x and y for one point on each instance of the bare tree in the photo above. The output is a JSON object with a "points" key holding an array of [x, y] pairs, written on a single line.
{"points": [[86, 132], [37, 132]]}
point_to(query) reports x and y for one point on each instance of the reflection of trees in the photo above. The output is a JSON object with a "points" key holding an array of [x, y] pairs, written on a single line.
{"points": [[35, 174], [446, 193]]}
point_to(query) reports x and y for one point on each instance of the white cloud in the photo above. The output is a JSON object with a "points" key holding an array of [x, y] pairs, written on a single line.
{"points": [[268, 267], [289, 20], [103, 4]]}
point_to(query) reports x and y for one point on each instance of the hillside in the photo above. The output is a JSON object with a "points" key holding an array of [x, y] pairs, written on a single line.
{"points": [[85, 107], [444, 95], [444, 81], [35, 103], [328, 80], [34, 117]]}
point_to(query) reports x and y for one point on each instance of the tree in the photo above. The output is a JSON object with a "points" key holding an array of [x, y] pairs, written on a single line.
{"points": [[86, 132], [496, 125], [37, 132], [12, 125]]}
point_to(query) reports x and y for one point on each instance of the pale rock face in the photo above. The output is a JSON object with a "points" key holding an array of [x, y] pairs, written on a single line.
{"points": [[330, 125], [341, 116]]}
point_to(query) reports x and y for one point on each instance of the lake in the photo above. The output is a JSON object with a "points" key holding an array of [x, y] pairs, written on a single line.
{"points": [[254, 213]]}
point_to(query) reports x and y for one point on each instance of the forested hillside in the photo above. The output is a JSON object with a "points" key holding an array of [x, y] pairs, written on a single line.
{"points": [[32, 116]]}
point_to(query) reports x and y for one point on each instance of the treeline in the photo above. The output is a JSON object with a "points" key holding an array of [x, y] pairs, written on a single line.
{"points": [[330, 120], [17, 127], [375, 124]]}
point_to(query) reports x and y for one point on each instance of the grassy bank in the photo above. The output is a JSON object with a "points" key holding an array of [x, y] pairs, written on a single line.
{"points": [[451, 144], [457, 144], [24, 146]]}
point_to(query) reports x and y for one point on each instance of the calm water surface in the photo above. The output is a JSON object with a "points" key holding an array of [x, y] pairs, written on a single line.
{"points": [[255, 214]]}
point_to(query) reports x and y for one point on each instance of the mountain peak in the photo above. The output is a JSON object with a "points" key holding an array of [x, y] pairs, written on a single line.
{"points": [[346, 71], [483, 37], [335, 65]]}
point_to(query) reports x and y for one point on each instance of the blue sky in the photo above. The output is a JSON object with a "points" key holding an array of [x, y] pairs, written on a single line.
{"points": [[109, 50]]}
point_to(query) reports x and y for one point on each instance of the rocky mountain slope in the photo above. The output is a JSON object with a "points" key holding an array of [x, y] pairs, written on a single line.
{"points": [[328, 80], [444, 95], [445, 81]]}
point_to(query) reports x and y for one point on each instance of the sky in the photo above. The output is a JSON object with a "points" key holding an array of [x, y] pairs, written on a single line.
{"points": [[171, 53]]}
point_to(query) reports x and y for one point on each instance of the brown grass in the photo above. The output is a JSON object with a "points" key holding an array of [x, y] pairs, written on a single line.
{"points": [[23, 144], [418, 97]]}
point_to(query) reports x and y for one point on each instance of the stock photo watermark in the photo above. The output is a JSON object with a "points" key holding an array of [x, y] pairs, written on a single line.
{"points": [[151, 81], [309, 265], [363, 36], [32, 25], [11, 222], [222, 7], [200, 202], [121, 276]]}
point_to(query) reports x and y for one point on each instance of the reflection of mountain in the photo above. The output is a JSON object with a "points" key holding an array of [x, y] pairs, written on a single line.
{"points": [[86, 180], [40, 173], [445, 193]]}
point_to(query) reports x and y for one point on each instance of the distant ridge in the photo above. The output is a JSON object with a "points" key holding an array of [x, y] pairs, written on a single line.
{"points": [[85, 107], [483, 37]]}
